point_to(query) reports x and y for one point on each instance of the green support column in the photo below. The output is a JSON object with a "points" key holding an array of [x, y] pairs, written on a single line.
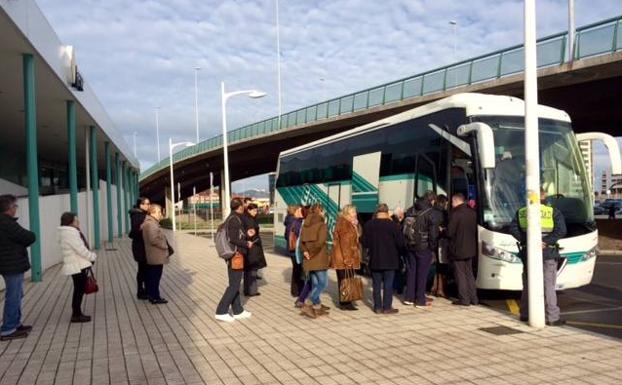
{"points": [[132, 188], [117, 173], [136, 185], [94, 185], [124, 196], [73, 163], [108, 190], [32, 162], [128, 202]]}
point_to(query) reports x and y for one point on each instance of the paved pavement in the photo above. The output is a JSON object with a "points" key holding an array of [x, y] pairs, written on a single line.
{"points": [[133, 342], [596, 307]]}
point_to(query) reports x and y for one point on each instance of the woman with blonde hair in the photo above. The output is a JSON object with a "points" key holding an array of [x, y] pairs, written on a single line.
{"points": [[346, 248]]}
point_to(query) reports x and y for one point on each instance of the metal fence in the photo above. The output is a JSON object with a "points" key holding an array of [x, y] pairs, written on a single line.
{"points": [[595, 39]]}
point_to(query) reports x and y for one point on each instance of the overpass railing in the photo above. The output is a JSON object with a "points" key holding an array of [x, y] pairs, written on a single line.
{"points": [[595, 39]]}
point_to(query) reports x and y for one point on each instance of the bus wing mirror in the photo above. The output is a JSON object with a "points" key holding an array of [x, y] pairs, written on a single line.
{"points": [[612, 146], [485, 142]]}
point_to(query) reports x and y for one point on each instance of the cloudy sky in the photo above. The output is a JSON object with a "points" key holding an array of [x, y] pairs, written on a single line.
{"points": [[141, 54]]}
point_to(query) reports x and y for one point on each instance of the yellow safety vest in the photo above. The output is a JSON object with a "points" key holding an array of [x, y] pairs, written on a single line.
{"points": [[546, 219]]}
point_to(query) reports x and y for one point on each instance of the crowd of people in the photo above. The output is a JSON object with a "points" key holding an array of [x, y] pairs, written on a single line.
{"points": [[402, 247]]}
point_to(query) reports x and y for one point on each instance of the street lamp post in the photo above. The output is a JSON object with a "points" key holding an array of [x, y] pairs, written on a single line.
{"points": [[571, 30], [278, 61], [134, 135], [171, 146], [535, 279], [453, 24], [211, 204], [157, 111], [224, 97], [196, 101]]}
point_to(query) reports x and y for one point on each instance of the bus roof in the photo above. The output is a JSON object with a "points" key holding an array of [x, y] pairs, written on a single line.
{"points": [[474, 103]]}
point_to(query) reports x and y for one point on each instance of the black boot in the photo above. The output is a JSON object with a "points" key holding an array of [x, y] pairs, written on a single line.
{"points": [[80, 318], [142, 294]]}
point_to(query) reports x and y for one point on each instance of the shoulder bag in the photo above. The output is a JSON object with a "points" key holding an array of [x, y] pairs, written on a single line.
{"points": [[90, 286]]}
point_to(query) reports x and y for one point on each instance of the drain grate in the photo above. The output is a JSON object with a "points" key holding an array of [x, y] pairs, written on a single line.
{"points": [[501, 330]]}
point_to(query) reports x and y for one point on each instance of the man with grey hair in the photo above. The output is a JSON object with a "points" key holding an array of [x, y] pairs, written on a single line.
{"points": [[14, 240]]}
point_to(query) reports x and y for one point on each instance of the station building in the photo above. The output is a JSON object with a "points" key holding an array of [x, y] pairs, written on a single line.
{"points": [[59, 150]]}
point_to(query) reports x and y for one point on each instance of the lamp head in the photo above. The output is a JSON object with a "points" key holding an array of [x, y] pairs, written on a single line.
{"points": [[255, 94]]}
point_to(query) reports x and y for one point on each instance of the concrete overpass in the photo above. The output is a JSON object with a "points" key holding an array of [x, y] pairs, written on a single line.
{"points": [[586, 87]]}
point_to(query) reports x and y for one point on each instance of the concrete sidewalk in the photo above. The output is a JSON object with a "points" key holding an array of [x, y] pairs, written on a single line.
{"points": [[134, 342]]}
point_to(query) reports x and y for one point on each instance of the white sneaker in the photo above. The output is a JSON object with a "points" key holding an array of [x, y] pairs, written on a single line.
{"points": [[408, 303], [224, 317], [243, 315]]}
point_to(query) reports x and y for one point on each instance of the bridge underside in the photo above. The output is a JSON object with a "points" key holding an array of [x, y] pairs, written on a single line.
{"points": [[588, 90]]}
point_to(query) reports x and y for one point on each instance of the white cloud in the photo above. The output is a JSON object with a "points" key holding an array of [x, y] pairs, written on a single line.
{"points": [[140, 54]]}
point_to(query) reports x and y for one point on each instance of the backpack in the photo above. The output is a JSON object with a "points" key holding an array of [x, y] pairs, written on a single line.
{"points": [[224, 247], [414, 233]]}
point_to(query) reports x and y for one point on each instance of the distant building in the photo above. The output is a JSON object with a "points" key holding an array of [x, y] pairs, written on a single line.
{"points": [[607, 181], [588, 158], [204, 197]]}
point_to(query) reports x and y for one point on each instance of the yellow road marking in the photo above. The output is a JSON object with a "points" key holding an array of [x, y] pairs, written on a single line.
{"points": [[595, 324], [513, 306]]}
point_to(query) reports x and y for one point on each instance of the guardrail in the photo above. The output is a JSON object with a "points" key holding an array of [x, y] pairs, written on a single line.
{"points": [[595, 39]]}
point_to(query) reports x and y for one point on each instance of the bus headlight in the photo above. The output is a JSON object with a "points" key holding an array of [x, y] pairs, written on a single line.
{"points": [[502, 255], [589, 255]]}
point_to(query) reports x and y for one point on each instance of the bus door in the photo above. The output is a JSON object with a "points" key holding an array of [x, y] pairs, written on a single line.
{"points": [[365, 180]]}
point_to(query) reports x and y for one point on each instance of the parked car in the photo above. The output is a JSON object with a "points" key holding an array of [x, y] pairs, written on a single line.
{"points": [[617, 203], [599, 210]]}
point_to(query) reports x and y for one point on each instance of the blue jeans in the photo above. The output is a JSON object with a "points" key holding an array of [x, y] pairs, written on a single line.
{"points": [[13, 293], [319, 282], [382, 281]]}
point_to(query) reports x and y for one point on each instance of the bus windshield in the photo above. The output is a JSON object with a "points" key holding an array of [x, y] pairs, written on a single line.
{"points": [[562, 173]]}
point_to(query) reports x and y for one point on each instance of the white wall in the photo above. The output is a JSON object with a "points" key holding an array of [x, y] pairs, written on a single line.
{"points": [[51, 207]]}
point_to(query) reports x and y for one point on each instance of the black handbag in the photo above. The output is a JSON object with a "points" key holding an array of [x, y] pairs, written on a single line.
{"points": [[170, 249]]}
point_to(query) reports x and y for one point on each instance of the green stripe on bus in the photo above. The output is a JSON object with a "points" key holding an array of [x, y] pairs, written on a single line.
{"points": [[360, 184]]}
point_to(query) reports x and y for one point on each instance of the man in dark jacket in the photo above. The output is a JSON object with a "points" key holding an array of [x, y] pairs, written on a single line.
{"points": [[237, 237], [383, 241], [462, 234], [553, 229], [421, 228], [137, 217], [14, 240]]}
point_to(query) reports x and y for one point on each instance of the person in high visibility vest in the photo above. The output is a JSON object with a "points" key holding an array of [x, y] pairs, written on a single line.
{"points": [[553, 229]]}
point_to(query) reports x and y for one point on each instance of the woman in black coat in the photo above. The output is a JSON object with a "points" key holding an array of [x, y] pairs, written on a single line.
{"points": [[255, 259], [137, 217], [384, 243]]}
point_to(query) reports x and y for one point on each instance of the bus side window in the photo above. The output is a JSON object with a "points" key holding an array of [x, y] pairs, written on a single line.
{"points": [[425, 176]]}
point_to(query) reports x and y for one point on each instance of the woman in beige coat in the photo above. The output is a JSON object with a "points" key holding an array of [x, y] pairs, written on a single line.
{"points": [[157, 252], [346, 248]]}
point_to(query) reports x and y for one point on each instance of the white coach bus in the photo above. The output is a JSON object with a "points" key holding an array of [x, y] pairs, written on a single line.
{"points": [[468, 143]]}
